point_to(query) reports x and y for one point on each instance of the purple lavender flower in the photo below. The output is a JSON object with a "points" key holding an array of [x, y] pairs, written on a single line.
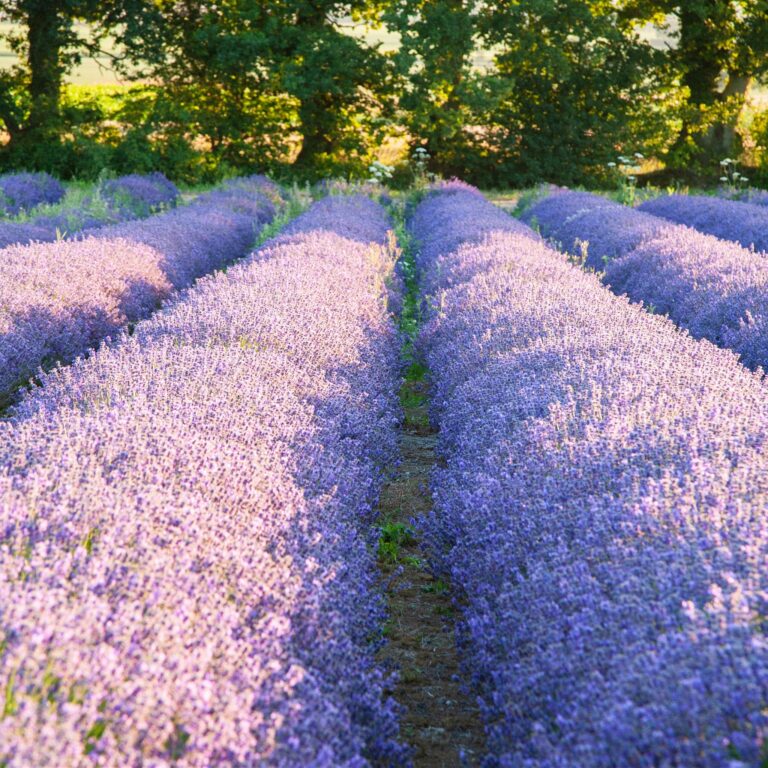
{"points": [[187, 557], [592, 226], [601, 509], [741, 222], [140, 194], [750, 195], [59, 299], [22, 191], [713, 288]]}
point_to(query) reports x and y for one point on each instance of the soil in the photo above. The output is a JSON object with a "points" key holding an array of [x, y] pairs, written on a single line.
{"points": [[441, 720]]}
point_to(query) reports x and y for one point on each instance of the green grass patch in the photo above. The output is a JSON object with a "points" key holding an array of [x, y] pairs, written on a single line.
{"points": [[392, 538], [437, 587]]}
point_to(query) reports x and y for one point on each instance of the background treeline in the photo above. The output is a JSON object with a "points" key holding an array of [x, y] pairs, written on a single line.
{"points": [[282, 86]]}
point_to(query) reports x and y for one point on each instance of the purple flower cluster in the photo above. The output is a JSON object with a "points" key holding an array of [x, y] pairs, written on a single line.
{"points": [[140, 194], [264, 185], [59, 299], [751, 195], [22, 191], [441, 236], [187, 568], [591, 225], [601, 508], [740, 222], [714, 289], [139, 197]]}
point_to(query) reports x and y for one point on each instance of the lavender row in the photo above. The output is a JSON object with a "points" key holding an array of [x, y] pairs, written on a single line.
{"points": [[601, 509], [121, 199], [754, 196], [712, 288], [187, 573], [23, 191], [741, 222], [593, 227], [57, 300], [139, 195]]}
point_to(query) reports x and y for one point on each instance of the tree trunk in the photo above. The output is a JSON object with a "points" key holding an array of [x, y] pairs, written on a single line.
{"points": [[721, 139], [314, 114], [45, 37]]}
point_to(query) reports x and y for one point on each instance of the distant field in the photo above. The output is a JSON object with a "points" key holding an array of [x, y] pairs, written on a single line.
{"points": [[92, 71], [98, 71]]}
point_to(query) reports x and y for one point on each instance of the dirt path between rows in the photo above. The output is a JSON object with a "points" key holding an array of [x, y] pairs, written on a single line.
{"points": [[441, 721]]}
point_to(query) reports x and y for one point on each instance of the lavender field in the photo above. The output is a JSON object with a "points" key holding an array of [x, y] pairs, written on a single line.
{"points": [[342, 476]]}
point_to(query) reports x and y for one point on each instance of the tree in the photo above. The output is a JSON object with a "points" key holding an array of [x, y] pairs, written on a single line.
{"points": [[214, 63], [720, 48], [342, 85], [435, 56], [574, 85], [49, 45]]}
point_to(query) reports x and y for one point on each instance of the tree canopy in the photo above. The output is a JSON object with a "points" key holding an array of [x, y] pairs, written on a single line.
{"points": [[564, 85]]}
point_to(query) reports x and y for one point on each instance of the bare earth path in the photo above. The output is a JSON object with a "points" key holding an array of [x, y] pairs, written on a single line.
{"points": [[441, 722]]}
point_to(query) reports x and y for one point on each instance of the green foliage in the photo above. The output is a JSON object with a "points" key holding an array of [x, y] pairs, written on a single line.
{"points": [[287, 88], [438, 587], [49, 45], [440, 89], [343, 87], [392, 538], [176, 744], [760, 152], [572, 85], [220, 109], [95, 732], [720, 49]]}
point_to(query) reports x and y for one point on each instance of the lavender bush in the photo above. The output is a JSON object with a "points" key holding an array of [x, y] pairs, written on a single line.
{"points": [[601, 509], [140, 194], [750, 195], [713, 288], [59, 299], [187, 564], [592, 226], [740, 222], [22, 191]]}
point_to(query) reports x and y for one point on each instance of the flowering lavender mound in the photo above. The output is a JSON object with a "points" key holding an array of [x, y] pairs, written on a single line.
{"points": [[13, 232], [441, 207], [140, 194], [255, 183], [749, 195], [188, 561], [59, 299], [602, 510], [741, 222], [22, 191], [713, 288], [138, 198], [755, 196], [591, 226]]}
